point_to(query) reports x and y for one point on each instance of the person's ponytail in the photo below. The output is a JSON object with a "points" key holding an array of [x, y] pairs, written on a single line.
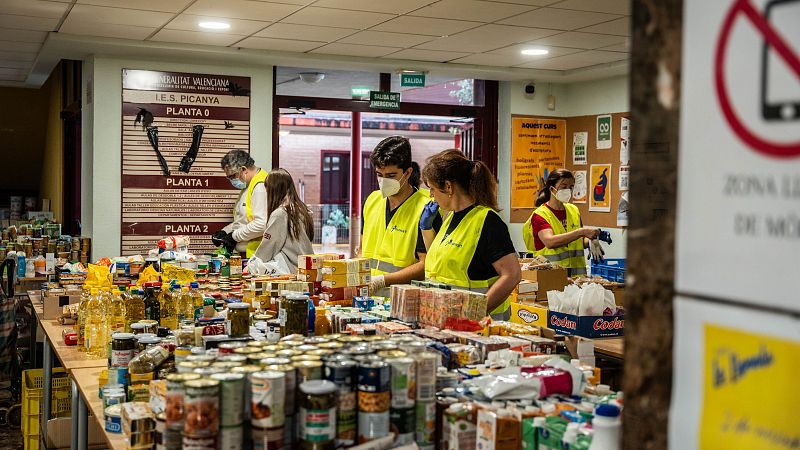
{"points": [[416, 175], [543, 196], [482, 185]]}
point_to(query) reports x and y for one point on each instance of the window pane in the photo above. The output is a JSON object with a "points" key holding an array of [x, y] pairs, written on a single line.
{"points": [[442, 91], [335, 83]]}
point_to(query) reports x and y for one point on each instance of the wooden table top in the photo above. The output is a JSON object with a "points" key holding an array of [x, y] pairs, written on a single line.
{"points": [[614, 347], [69, 355], [87, 381]]}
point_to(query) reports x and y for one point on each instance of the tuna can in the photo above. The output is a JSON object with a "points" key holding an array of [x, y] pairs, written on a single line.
{"points": [[231, 438], [308, 370], [291, 384], [199, 443], [174, 409], [427, 362], [268, 397], [445, 379], [268, 439], [426, 423], [113, 419], [403, 424], [231, 399], [286, 353], [343, 373], [255, 358], [372, 426], [202, 408], [238, 359], [403, 382], [317, 415]]}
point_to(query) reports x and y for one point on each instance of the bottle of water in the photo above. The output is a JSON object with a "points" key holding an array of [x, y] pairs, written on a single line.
{"points": [[606, 425]]}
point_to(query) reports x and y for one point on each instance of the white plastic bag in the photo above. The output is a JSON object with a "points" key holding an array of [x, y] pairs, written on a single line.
{"points": [[610, 302], [275, 267], [592, 300], [508, 384]]}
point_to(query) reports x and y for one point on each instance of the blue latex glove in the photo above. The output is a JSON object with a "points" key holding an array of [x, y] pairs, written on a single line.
{"points": [[605, 236], [429, 214]]}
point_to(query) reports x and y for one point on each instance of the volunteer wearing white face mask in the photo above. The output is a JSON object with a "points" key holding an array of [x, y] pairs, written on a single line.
{"points": [[390, 235], [243, 235], [555, 230]]}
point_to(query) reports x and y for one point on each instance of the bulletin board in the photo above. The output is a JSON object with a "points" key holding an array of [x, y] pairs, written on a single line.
{"points": [[593, 156]]}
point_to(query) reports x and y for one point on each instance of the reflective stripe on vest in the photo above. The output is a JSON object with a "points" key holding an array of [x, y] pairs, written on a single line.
{"points": [[393, 246], [569, 256], [259, 178]]}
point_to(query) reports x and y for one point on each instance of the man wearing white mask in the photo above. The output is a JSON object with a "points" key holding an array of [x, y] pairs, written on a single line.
{"points": [[390, 235], [243, 235]]}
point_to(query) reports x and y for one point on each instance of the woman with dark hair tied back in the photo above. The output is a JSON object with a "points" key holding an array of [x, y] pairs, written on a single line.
{"points": [[554, 230], [473, 248]]}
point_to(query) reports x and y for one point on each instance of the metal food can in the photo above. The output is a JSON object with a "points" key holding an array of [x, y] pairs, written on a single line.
{"points": [[199, 443], [291, 384], [391, 354], [231, 438], [113, 419], [374, 376], [426, 422], [208, 371], [317, 418], [274, 361], [308, 370], [268, 397], [231, 393], [427, 362], [202, 408], [372, 426], [248, 391], [403, 424], [414, 347], [344, 373], [229, 347], [305, 358], [403, 382], [445, 379], [175, 401], [286, 353], [268, 439]]}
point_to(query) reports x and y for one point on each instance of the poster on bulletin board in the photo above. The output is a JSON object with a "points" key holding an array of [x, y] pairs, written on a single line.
{"points": [[603, 131], [600, 188], [537, 148], [579, 191]]}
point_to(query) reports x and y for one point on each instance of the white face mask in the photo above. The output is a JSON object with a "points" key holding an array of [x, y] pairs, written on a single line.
{"points": [[389, 186], [564, 195]]}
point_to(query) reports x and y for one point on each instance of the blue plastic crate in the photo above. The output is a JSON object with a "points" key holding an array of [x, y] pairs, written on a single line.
{"points": [[612, 269]]}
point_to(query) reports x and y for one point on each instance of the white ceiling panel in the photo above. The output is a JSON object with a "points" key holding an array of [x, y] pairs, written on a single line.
{"points": [[20, 46], [559, 19], [532, 2], [485, 38], [34, 8], [479, 11], [283, 45], [490, 59], [367, 51], [118, 16], [426, 25], [624, 47], [17, 56], [242, 9], [305, 32], [381, 6], [194, 37], [576, 60], [15, 64], [426, 55], [28, 23], [7, 34], [370, 37], [576, 39], [604, 6], [189, 22], [12, 74], [328, 17], [73, 26], [172, 6], [620, 27]]}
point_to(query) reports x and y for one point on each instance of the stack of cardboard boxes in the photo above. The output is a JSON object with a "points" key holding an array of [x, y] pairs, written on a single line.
{"points": [[343, 279]]}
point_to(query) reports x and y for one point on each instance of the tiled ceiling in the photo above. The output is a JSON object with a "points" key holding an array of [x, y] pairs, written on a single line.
{"points": [[579, 34]]}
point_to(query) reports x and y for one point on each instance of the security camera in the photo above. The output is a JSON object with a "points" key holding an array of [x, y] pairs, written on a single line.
{"points": [[530, 88]]}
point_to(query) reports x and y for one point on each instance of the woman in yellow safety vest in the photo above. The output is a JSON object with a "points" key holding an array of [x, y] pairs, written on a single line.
{"points": [[554, 230], [473, 248], [390, 235]]}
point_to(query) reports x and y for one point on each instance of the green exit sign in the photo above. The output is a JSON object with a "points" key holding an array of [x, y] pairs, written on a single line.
{"points": [[384, 100], [412, 79], [359, 92]]}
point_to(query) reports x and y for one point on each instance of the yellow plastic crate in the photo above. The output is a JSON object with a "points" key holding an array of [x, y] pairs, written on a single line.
{"points": [[60, 402]]}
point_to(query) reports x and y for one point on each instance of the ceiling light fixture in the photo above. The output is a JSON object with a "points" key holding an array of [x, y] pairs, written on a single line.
{"points": [[311, 77], [535, 52], [210, 25]]}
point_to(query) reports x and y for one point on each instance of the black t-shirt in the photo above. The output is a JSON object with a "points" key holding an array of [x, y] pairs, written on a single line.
{"points": [[420, 248], [493, 244]]}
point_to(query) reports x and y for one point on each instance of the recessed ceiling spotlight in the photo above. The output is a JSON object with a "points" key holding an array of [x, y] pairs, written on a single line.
{"points": [[535, 52], [210, 25]]}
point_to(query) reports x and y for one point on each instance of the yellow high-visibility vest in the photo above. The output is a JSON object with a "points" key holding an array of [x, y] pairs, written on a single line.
{"points": [[570, 256], [258, 178]]}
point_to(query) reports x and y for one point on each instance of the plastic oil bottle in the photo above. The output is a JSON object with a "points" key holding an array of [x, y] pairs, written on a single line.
{"points": [[152, 307], [185, 306], [95, 339], [80, 325], [197, 299], [169, 308], [116, 316], [134, 307]]}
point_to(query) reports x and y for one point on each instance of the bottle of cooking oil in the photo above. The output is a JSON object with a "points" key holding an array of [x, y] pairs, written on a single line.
{"points": [[80, 324], [152, 307], [134, 307], [198, 302], [169, 308], [116, 314], [185, 306], [95, 333]]}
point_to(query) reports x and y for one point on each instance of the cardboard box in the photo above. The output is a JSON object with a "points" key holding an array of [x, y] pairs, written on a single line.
{"points": [[53, 304], [529, 314], [527, 287], [619, 295], [309, 275], [548, 280], [342, 266], [586, 326], [344, 280], [345, 293], [59, 432]]}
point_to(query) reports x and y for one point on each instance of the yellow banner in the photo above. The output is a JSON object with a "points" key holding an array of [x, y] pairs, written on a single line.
{"points": [[751, 391], [537, 148]]}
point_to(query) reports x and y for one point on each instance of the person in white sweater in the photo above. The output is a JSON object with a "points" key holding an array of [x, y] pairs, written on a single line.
{"points": [[289, 231]]}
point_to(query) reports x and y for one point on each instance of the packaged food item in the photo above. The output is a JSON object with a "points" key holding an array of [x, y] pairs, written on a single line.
{"points": [[231, 393], [317, 415], [293, 315], [175, 399], [462, 425], [427, 363], [403, 382], [499, 430], [425, 423], [239, 319], [343, 373], [403, 424], [267, 399], [202, 408]]}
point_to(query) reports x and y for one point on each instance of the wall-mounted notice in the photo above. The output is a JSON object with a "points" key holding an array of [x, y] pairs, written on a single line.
{"points": [[537, 148], [622, 210], [624, 135], [600, 184], [624, 177], [579, 140], [579, 191], [175, 129], [603, 131]]}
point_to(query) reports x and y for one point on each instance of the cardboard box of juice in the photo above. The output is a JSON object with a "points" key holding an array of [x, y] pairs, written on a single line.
{"points": [[342, 266], [345, 279]]}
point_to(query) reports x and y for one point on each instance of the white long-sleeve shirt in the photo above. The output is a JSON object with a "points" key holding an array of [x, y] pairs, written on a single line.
{"points": [[243, 230], [276, 240]]}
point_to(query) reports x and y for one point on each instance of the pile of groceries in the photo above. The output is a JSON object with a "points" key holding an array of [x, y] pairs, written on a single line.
{"points": [[197, 360]]}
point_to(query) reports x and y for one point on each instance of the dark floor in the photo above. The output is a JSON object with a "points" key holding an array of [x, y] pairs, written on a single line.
{"points": [[10, 438]]}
